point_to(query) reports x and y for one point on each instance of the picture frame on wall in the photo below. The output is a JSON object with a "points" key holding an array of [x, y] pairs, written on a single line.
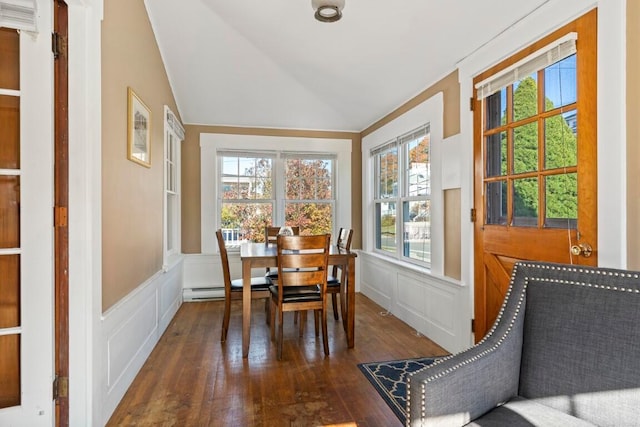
{"points": [[138, 130]]}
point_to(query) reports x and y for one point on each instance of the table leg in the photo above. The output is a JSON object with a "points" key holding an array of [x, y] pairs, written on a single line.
{"points": [[351, 302], [246, 307]]}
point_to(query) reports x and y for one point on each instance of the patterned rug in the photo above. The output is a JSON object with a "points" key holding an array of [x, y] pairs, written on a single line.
{"points": [[388, 378]]}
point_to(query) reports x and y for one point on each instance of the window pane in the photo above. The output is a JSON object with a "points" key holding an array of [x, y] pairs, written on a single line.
{"points": [[525, 202], [387, 169], [525, 148], [496, 199], [496, 154], [386, 226], [239, 178], [418, 167], [496, 109], [245, 221], [308, 179], [562, 201], [9, 370], [312, 218], [417, 230], [561, 143], [171, 204], [560, 83], [525, 98]]}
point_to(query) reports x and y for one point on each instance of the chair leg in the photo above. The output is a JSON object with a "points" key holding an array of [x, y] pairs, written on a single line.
{"points": [[272, 323], [267, 310], [225, 319], [295, 317], [280, 332], [325, 337], [316, 315], [303, 321], [334, 303]]}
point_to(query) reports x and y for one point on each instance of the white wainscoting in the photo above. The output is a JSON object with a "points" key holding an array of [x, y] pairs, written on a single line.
{"points": [[436, 307], [132, 328], [203, 277]]}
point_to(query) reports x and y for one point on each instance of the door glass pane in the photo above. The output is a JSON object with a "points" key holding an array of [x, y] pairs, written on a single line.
{"points": [[9, 59], [525, 202], [560, 83], [9, 132], [525, 98], [561, 201], [10, 211], [244, 221], [497, 154], [312, 218], [561, 142], [9, 370], [496, 199], [9, 291], [496, 110], [525, 148], [417, 230], [386, 226]]}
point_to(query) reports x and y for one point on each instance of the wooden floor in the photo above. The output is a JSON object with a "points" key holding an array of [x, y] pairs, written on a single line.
{"points": [[192, 379]]}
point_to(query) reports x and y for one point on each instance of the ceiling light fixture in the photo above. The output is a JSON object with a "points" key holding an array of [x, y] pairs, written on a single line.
{"points": [[328, 10]]}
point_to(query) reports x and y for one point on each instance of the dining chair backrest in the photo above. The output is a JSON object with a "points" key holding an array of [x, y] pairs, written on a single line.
{"points": [[303, 260], [344, 238], [224, 258], [271, 233]]}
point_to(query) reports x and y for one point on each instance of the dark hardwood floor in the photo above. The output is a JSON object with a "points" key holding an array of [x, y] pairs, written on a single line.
{"points": [[192, 379]]}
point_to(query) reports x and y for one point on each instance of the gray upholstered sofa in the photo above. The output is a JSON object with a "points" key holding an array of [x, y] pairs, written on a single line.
{"points": [[565, 351]]}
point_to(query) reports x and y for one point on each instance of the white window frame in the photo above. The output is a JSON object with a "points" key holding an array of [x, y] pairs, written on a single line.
{"points": [[402, 195], [172, 228], [431, 112], [211, 143]]}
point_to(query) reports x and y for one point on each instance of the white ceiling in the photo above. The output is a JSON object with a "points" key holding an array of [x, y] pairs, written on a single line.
{"points": [[269, 63]]}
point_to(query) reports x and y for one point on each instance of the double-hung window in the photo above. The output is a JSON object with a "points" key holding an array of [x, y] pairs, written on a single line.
{"points": [[274, 188], [402, 197], [174, 134]]}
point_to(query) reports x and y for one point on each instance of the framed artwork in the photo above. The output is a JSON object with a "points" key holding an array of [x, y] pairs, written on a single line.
{"points": [[138, 130]]}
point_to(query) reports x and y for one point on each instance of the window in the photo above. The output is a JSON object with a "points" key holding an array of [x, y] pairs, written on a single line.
{"points": [[174, 134], [403, 190], [530, 139], [249, 198]]}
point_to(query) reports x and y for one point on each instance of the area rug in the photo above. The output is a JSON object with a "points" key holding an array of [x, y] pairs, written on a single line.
{"points": [[389, 379]]}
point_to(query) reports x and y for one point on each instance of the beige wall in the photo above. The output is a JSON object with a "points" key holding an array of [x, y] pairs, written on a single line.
{"points": [[131, 194], [633, 135], [191, 177]]}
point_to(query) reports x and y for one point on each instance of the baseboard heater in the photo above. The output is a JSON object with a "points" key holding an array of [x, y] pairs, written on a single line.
{"points": [[202, 294]]}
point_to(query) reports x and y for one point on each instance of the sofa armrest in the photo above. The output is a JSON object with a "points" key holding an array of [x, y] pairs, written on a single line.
{"points": [[460, 388]]}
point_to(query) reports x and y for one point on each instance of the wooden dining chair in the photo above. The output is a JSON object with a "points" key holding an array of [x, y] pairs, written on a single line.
{"points": [[233, 288], [333, 281], [302, 281], [270, 236]]}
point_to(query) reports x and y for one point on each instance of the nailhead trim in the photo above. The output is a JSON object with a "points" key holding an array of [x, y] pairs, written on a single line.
{"points": [[631, 275]]}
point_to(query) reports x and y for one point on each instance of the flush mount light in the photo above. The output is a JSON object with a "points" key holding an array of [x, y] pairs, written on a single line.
{"points": [[328, 10]]}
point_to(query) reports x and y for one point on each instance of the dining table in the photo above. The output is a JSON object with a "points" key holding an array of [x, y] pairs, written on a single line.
{"points": [[256, 255]]}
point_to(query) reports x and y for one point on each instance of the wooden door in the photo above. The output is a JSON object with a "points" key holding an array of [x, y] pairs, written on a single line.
{"points": [[535, 166]]}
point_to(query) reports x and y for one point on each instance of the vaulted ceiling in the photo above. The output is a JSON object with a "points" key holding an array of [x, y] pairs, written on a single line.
{"points": [[269, 63]]}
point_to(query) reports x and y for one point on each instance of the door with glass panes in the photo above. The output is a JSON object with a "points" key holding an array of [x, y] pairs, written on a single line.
{"points": [[535, 162], [26, 232]]}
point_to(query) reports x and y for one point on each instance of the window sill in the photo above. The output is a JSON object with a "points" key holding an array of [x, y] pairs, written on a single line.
{"points": [[413, 268]]}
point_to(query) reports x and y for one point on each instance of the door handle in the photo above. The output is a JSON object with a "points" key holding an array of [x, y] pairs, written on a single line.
{"points": [[583, 249]]}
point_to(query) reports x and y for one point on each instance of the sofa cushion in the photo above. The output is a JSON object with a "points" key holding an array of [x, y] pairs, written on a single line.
{"points": [[523, 412], [581, 343]]}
